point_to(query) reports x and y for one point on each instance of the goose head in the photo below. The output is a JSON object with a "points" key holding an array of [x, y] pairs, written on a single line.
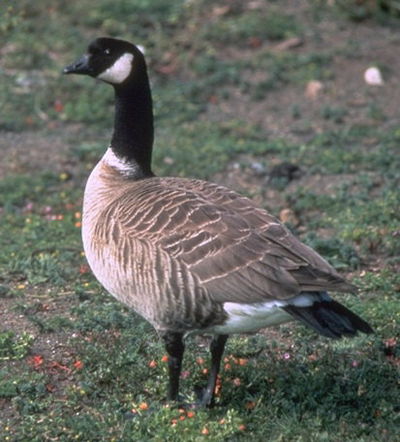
{"points": [[110, 60]]}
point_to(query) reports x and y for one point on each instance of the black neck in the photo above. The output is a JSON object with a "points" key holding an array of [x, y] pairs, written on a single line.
{"points": [[132, 139]]}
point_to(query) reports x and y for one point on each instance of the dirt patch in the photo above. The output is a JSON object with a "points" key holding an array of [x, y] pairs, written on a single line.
{"points": [[28, 151], [53, 150], [352, 48]]}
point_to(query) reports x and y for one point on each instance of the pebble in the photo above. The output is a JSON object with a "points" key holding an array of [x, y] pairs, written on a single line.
{"points": [[373, 76]]}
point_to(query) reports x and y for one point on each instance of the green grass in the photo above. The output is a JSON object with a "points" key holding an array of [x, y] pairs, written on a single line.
{"points": [[77, 365], [270, 25], [14, 347]]}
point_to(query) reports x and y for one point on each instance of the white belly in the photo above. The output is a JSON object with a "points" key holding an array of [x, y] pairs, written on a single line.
{"points": [[247, 318]]}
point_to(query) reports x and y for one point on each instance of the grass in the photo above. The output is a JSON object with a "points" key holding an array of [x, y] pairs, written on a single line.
{"points": [[247, 25], [75, 364]]}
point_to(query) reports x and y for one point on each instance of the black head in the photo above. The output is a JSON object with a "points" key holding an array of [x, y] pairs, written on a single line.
{"points": [[110, 60]]}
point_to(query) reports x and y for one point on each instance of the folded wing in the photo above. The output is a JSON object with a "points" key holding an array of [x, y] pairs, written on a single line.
{"points": [[236, 251]]}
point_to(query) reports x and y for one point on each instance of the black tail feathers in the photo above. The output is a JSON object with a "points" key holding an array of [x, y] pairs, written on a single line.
{"points": [[330, 318]]}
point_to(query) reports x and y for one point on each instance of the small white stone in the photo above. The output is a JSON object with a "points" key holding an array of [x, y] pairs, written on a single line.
{"points": [[373, 76], [169, 160]]}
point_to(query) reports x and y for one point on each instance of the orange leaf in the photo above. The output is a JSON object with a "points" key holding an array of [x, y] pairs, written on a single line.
{"points": [[58, 106], [143, 406], [78, 365], [36, 361]]}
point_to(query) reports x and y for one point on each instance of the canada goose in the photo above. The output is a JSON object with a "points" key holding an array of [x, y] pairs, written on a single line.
{"points": [[191, 256]]}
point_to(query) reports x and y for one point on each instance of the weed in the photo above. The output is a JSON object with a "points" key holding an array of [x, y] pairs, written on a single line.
{"points": [[14, 347], [358, 10], [263, 25], [338, 253], [336, 114]]}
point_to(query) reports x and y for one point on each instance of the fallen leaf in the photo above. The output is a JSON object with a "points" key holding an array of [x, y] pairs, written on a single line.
{"points": [[313, 89], [290, 43], [288, 216], [58, 106], [78, 365], [36, 361], [254, 42], [220, 10]]}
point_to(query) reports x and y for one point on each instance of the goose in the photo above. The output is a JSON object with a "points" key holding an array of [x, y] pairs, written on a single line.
{"points": [[191, 256]]}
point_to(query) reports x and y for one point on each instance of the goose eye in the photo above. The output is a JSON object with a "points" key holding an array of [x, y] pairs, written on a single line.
{"points": [[107, 51]]}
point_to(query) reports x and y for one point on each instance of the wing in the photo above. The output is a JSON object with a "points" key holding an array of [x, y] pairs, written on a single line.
{"points": [[237, 251]]}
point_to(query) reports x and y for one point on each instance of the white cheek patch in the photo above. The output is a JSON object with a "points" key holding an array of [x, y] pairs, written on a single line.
{"points": [[119, 71]]}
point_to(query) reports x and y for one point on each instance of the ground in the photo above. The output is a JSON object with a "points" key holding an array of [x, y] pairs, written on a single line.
{"points": [[235, 97]]}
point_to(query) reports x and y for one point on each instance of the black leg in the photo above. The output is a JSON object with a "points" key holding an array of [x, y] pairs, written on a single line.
{"points": [[217, 347], [175, 348]]}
